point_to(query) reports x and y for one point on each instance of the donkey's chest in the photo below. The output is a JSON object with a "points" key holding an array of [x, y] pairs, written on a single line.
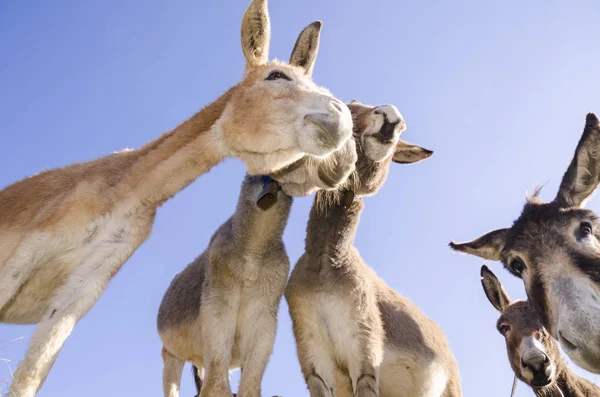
{"points": [[341, 325]]}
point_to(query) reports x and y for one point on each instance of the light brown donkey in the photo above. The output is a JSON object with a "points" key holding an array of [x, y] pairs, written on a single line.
{"points": [[65, 232], [355, 336], [533, 354], [221, 311]]}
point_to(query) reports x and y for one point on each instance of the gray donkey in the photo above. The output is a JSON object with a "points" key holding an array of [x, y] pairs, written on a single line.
{"points": [[356, 336], [221, 311]]}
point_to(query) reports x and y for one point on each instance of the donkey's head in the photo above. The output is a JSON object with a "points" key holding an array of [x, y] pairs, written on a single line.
{"points": [[277, 114], [555, 248], [533, 354], [377, 132]]}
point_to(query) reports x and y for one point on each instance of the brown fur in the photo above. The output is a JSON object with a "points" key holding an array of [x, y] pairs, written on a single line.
{"points": [[518, 321]]}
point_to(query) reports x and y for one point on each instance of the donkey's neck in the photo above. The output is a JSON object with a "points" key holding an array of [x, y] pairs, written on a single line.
{"points": [[570, 385], [332, 227], [254, 229], [168, 164]]}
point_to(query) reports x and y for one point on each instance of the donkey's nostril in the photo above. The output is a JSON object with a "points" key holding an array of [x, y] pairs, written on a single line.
{"points": [[524, 364], [388, 129], [337, 104]]}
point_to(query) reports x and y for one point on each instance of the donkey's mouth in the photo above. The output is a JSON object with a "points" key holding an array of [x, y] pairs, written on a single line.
{"points": [[541, 383]]}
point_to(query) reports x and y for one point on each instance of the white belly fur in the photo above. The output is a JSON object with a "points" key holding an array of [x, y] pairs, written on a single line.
{"points": [[403, 376], [98, 251]]}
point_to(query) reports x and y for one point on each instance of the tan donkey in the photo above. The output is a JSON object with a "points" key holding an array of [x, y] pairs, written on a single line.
{"points": [[533, 354], [221, 311], [356, 336], [64, 233]]}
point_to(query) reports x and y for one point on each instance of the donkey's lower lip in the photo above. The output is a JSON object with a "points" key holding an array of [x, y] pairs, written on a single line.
{"points": [[543, 383]]}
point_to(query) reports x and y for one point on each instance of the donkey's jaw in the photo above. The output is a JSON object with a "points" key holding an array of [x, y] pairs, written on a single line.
{"points": [[578, 320]]}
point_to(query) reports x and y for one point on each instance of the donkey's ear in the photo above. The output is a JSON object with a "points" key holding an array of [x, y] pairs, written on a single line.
{"points": [[487, 246], [306, 48], [256, 33], [494, 290], [405, 153], [583, 174]]}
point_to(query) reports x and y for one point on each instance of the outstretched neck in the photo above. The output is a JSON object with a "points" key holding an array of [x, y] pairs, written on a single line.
{"points": [[332, 227], [255, 229], [567, 384], [168, 164]]}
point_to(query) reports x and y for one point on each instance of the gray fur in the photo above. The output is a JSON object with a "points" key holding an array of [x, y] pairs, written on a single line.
{"points": [[356, 336], [239, 280]]}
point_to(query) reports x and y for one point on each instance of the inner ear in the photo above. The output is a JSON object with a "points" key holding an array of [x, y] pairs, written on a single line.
{"points": [[583, 175], [306, 48], [494, 290], [256, 33], [406, 153], [487, 246]]}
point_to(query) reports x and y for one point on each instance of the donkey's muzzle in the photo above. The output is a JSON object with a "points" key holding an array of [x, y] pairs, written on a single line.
{"points": [[540, 367]]}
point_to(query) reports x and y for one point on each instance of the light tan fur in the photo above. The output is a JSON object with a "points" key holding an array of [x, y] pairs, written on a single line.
{"points": [[355, 336], [64, 233], [221, 311]]}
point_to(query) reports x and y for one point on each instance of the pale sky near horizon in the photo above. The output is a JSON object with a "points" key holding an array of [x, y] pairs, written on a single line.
{"points": [[498, 90]]}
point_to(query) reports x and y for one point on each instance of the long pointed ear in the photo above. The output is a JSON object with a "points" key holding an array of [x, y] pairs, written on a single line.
{"points": [[306, 48], [583, 174], [487, 246], [405, 153], [493, 289], [256, 33]]}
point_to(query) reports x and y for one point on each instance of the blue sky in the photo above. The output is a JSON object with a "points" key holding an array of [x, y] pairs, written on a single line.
{"points": [[499, 90]]}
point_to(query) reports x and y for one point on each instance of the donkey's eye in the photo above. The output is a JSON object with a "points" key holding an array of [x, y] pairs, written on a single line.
{"points": [[504, 329], [517, 266], [276, 75], [585, 229]]}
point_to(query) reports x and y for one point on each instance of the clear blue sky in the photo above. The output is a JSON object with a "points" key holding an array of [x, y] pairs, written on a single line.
{"points": [[499, 90]]}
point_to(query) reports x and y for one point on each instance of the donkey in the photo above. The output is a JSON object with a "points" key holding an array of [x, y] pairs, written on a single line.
{"points": [[532, 353], [555, 248], [356, 336], [221, 311], [64, 233]]}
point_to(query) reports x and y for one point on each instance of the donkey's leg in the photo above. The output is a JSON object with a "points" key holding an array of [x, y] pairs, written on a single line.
{"points": [[316, 363], [74, 300], [368, 355], [172, 370], [258, 328], [198, 374], [218, 317]]}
